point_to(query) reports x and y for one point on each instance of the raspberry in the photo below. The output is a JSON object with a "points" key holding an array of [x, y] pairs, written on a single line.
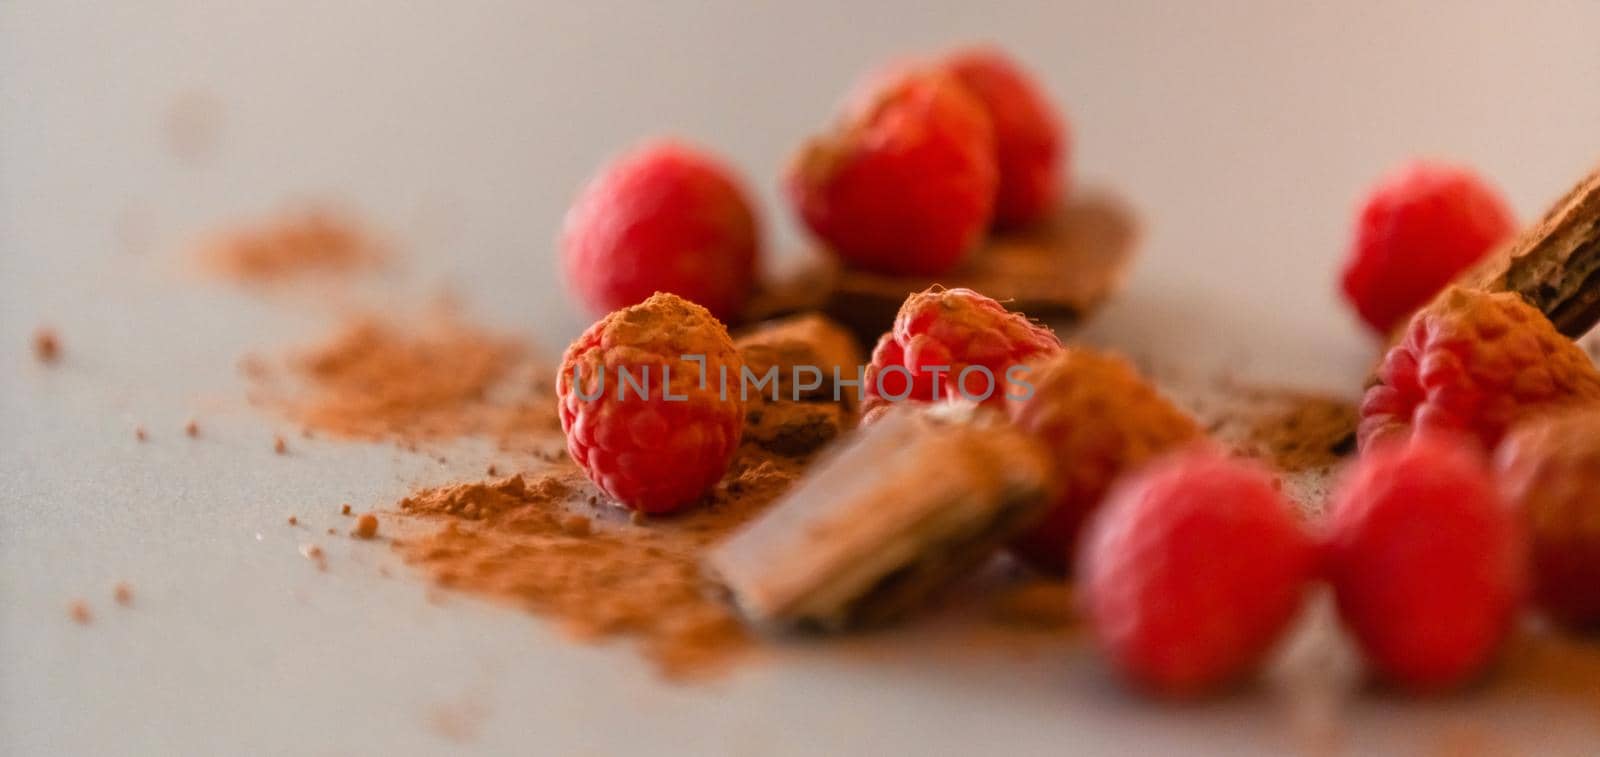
{"points": [[1549, 469], [663, 217], [1031, 142], [906, 185], [1099, 419], [661, 452], [1192, 569], [941, 334], [1475, 362], [1426, 561], [1421, 226]]}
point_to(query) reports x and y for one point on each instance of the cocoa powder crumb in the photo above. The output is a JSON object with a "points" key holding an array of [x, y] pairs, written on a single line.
{"points": [[139, 434], [293, 521], [344, 509], [123, 593], [46, 345], [491, 470], [192, 429], [280, 446], [315, 554], [575, 525], [79, 612], [366, 526]]}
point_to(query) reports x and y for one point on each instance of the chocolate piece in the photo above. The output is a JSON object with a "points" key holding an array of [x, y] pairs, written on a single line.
{"points": [[886, 518], [1554, 264], [1062, 269], [809, 340], [795, 428]]}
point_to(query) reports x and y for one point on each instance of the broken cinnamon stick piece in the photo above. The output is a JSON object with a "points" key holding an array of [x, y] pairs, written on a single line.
{"points": [[885, 519], [1555, 263]]}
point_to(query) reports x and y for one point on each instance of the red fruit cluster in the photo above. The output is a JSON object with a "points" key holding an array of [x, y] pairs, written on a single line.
{"points": [[1549, 470], [664, 450], [926, 160], [1421, 226], [1475, 363], [1031, 141], [1426, 560], [1192, 571], [1100, 420], [664, 217], [952, 343]]}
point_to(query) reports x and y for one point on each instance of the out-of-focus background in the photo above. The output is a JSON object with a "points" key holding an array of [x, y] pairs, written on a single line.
{"points": [[1243, 132]]}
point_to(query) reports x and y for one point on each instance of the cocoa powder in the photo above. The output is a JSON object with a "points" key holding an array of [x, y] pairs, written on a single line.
{"points": [[548, 543], [292, 245]]}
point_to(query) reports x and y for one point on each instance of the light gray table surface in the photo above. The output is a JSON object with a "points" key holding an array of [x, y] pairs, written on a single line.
{"points": [[1243, 132]]}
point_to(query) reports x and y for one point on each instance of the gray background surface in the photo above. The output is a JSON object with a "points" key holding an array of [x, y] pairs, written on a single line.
{"points": [[1244, 132]]}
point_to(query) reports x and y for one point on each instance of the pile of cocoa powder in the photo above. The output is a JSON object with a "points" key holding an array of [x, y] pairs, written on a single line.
{"points": [[298, 242]]}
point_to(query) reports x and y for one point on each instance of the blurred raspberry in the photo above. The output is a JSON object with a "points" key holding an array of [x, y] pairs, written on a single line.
{"points": [[905, 185], [1192, 570], [1549, 469], [658, 453], [1475, 362], [1426, 560], [663, 217], [1099, 419], [940, 333], [1421, 226], [1031, 142]]}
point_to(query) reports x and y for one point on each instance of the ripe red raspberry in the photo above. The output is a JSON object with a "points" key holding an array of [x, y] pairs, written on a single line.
{"points": [[938, 335], [1426, 560], [1192, 569], [1549, 469], [1475, 362], [1031, 142], [663, 217], [1099, 419], [905, 185], [1421, 226], [658, 453]]}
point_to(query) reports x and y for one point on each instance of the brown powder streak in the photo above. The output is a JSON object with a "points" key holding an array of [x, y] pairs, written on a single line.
{"points": [[291, 245]]}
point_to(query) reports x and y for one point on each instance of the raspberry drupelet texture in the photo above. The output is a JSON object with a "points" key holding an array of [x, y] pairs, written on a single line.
{"points": [[906, 184], [1099, 419], [1420, 227], [664, 451], [1426, 560], [1474, 362], [1192, 570], [1032, 143], [663, 217], [938, 335], [1549, 469]]}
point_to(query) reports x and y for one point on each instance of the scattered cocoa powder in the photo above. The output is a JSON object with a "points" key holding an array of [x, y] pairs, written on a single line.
{"points": [[123, 593], [293, 521], [191, 428], [294, 244], [140, 434], [413, 382], [46, 345], [366, 526], [315, 554], [539, 542], [344, 509], [280, 446], [78, 610]]}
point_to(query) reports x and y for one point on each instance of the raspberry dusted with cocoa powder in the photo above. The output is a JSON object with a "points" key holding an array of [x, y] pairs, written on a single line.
{"points": [[953, 343], [906, 184], [1549, 469], [1099, 419], [1031, 141], [1421, 226], [1475, 362], [664, 217], [1426, 560], [1192, 570], [650, 401]]}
